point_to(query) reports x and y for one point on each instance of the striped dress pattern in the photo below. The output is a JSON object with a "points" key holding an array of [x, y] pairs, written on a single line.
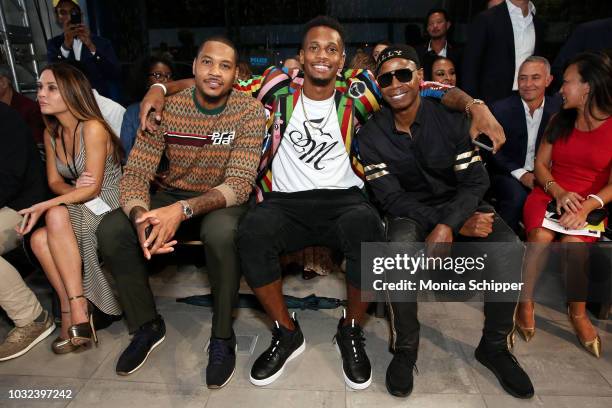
{"points": [[96, 287]]}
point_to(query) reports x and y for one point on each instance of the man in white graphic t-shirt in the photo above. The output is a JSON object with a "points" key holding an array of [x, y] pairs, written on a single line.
{"points": [[312, 153], [316, 199]]}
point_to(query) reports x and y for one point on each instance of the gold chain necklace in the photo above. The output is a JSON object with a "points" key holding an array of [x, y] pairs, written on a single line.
{"points": [[331, 108]]}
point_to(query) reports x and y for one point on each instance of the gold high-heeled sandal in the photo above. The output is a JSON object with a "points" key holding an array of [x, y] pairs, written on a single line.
{"points": [[527, 333], [83, 334], [592, 346], [63, 346]]}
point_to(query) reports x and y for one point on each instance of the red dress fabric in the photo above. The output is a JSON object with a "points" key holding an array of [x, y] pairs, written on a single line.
{"points": [[581, 164]]}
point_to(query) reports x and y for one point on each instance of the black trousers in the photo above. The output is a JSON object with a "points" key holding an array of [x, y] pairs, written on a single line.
{"points": [[121, 251], [511, 196], [287, 222], [403, 315]]}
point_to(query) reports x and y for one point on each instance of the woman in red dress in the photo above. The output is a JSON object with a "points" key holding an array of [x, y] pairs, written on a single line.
{"points": [[572, 167]]}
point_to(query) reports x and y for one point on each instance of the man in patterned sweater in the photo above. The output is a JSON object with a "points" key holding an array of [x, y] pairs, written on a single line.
{"points": [[211, 137]]}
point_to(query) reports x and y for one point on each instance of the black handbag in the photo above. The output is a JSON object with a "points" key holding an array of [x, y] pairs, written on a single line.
{"points": [[594, 218]]}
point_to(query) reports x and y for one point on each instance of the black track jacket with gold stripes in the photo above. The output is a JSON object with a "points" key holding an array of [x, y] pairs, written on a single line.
{"points": [[434, 176]]}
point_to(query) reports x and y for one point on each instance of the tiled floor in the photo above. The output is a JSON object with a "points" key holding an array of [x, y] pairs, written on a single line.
{"points": [[562, 373]]}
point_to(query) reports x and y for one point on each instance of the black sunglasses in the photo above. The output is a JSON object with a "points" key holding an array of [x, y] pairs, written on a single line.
{"points": [[402, 75]]}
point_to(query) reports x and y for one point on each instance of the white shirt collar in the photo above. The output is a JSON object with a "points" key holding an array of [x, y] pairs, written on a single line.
{"points": [[512, 9], [537, 110], [443, 51]]}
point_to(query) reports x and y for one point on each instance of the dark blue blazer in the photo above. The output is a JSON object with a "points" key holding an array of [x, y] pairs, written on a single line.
{"points": [[510, 113], [101, 69], [488, 56]]}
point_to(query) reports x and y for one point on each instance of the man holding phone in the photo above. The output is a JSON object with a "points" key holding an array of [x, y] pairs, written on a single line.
{"points": [[95, 53], [430, 182]]}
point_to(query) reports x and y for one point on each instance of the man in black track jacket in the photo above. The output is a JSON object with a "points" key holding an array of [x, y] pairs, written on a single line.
{"points": [[430, 182]]}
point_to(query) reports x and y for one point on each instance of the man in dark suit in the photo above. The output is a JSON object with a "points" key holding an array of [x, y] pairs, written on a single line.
{"points": [[524, 118], [96, 54], [499, 40], [437, 24]]}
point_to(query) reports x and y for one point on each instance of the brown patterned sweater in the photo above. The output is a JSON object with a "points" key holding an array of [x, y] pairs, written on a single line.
{"points": [[205, 149]]}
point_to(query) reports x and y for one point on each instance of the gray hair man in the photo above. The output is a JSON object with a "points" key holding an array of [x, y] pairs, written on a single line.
{"points": [[524, 118]]}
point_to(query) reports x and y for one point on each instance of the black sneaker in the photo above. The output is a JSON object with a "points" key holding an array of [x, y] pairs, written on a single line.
{"points": [[356, 367], [506, 368], [149, 336], [399, 379], [285, 346], [221, 361]]}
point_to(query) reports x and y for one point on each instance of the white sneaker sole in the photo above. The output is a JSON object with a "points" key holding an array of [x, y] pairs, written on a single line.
{"points": [[274, 377], [351, 384], [37, 340], [145, 359]]}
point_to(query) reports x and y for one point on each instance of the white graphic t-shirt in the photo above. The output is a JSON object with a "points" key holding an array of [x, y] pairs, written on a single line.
{"points": [[309, 158]]}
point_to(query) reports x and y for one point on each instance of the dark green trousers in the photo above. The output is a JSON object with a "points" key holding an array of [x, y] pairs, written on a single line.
{"points": [[118, 244]]}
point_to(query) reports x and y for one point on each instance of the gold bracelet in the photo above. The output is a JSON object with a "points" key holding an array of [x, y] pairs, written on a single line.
{"points": [[471, 103], [548, 184]]}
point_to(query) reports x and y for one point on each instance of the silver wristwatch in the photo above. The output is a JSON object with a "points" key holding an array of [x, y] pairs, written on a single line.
{"points": [[187, 210]]}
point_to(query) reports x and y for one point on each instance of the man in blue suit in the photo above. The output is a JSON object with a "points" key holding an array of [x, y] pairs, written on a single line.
{"points": [[96, 54], [524, 118]]}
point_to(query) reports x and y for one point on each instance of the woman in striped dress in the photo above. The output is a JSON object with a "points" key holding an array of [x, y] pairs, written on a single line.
{"points": [[83, 170]]}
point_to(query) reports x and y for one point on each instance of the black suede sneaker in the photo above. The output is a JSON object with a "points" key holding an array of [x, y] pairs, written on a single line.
{"points": [[149, 336], [221, 361], [285, 346], [399, 379], [506, 368], [356, 367]]}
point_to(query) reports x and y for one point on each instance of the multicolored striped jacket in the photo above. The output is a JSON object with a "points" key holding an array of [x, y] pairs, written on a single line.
{"points": [[357, 97]]}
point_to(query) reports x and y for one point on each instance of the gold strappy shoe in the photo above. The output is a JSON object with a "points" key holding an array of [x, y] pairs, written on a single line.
{"points": [[82, 334], [592, 346], [63, 346], [526, 333]]}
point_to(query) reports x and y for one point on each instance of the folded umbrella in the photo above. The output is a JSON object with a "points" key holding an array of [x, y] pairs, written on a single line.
{"points": [[247, 300]]}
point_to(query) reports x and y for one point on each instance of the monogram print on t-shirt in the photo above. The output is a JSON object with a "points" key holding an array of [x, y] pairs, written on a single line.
{"points": [[305, 145]]}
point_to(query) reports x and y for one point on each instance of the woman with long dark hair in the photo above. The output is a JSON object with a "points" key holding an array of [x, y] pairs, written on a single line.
{"points": [[83, 170], [572, 167]]}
